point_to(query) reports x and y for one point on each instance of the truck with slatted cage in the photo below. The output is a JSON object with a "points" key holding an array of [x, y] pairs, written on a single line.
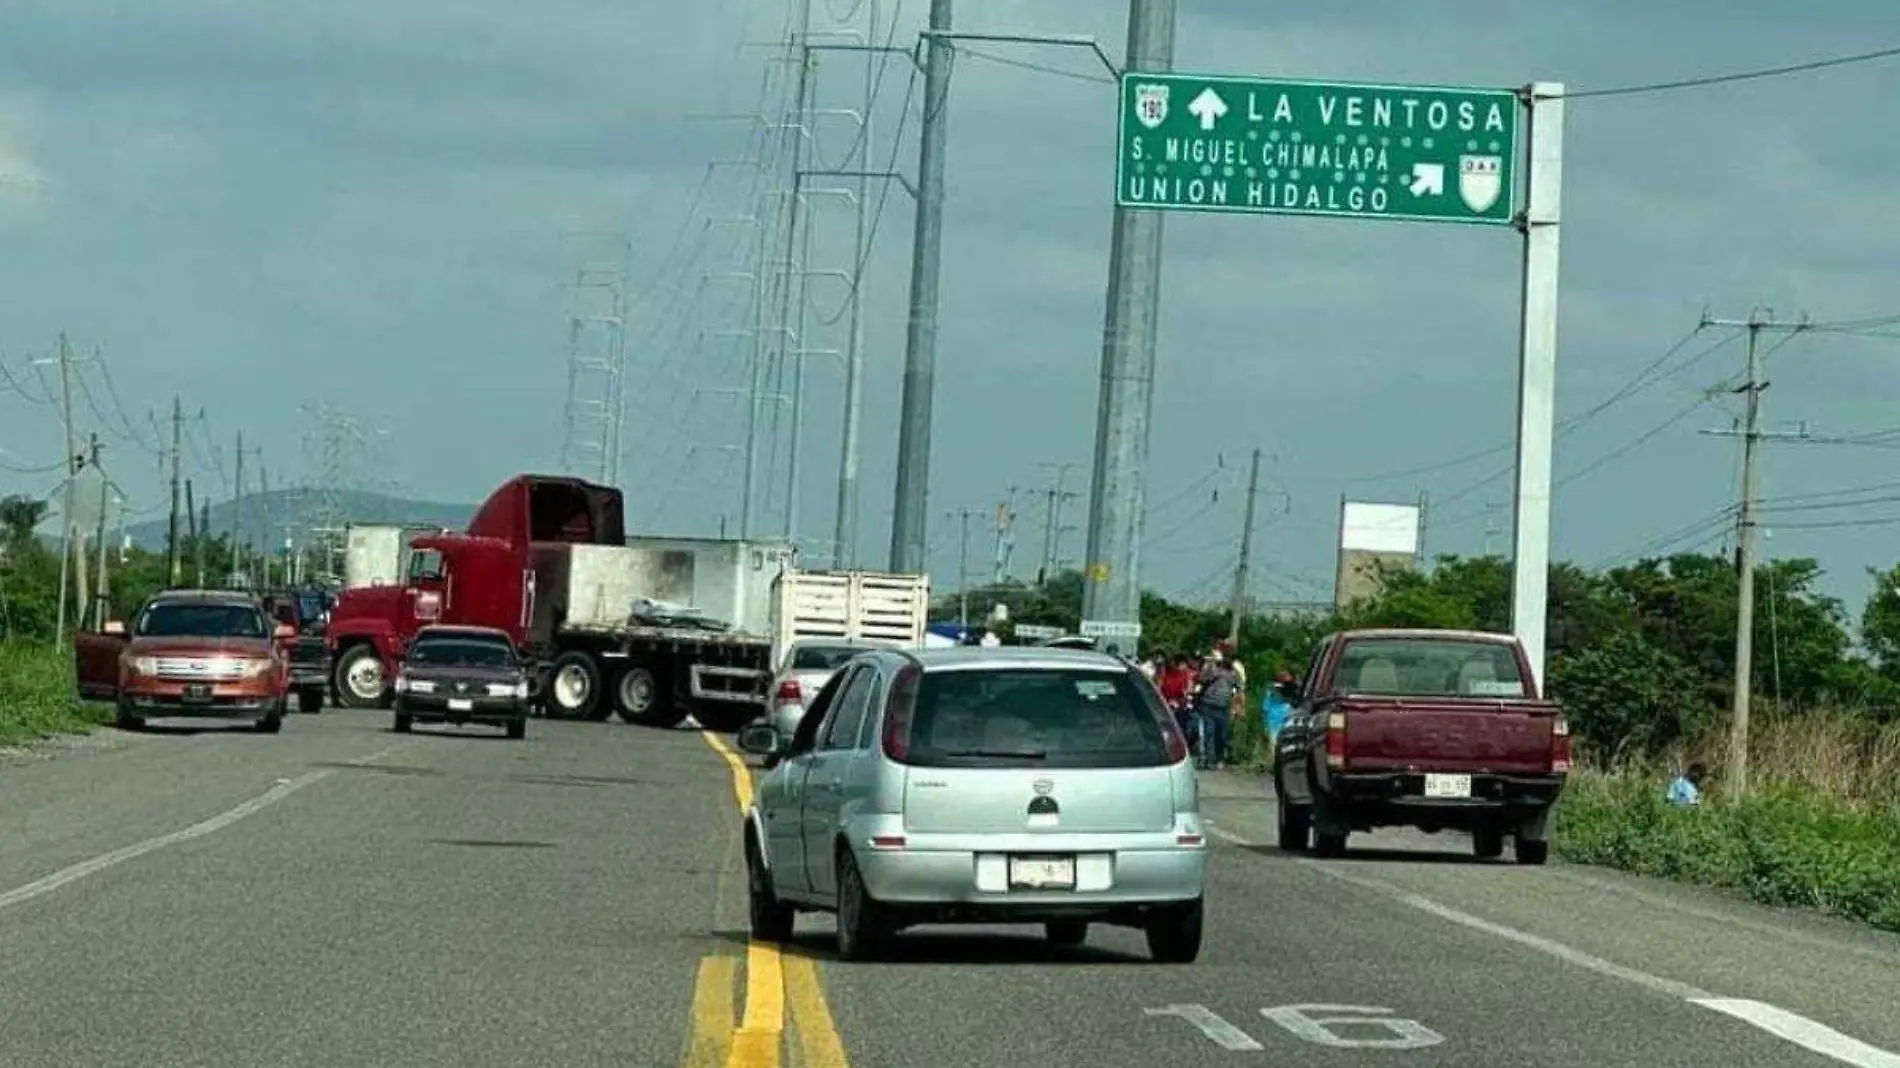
{"points": [[653, 629]]}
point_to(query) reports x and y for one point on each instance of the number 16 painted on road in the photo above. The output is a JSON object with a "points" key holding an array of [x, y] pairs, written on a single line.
{"points": [[1316, 1023]]}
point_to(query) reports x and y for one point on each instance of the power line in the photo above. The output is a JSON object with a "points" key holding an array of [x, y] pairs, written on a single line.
{"points": [[1023, 64], [1823, 506], [1643, 379], [1738, 76], [16, 385], [1839, 523], [1845, 491], [1719, 520]]}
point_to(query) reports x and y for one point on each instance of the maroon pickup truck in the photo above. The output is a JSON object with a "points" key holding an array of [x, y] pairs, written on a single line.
{"points": [[1433, 729]]}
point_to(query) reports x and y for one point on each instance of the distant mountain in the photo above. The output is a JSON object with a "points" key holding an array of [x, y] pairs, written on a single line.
{"points": [[292, 511]]}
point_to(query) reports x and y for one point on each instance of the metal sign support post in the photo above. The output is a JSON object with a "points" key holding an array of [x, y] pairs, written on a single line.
{"points": [[1537, 370]]}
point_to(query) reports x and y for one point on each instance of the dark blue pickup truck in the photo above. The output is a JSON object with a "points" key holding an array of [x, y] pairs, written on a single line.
{"points": [[308, 611]]}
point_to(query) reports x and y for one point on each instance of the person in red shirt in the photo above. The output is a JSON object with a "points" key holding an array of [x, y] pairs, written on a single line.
{"points": [[1175, 680]]}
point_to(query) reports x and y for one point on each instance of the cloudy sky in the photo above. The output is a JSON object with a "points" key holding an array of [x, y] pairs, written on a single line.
{"points": [[362, 203]]}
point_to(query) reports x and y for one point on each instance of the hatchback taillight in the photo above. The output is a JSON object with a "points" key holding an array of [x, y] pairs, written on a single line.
{"points": [[1336, 740], [1560, 746], [898, 709], [789, 693]]}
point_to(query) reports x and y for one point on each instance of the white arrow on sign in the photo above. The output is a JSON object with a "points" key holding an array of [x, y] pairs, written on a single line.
{"points": [[1207, 107], [1428, 179]]}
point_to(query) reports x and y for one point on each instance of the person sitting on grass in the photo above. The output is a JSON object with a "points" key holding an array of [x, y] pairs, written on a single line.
{"points": [[1685, 791]]}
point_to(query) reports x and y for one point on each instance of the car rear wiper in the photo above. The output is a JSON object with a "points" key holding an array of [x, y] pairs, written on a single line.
{"points": [[1009, 754]]}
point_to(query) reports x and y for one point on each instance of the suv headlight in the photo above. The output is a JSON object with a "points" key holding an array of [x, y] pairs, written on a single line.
{"points": [[140, 665], [516, 690]]}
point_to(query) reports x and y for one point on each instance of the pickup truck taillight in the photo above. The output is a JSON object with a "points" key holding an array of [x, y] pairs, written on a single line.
{"points": [[789, 693], [1560, 746], [1336, 740]]}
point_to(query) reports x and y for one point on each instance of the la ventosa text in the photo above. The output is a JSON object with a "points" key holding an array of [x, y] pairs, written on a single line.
{"points": [[1298, 164]]}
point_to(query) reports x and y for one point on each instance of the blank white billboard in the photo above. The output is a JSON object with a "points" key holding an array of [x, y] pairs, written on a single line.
{"points": [[1378, 528]]}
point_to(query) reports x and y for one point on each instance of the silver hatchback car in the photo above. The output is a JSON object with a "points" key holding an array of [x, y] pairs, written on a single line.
{"points": [[1000, 785]]}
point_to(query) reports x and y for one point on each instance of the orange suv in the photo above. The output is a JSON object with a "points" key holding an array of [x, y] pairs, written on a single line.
{"points": [[190, 654]]}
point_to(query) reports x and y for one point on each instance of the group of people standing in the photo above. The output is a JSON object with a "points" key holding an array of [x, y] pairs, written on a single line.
{"points": [[1206, 695]]}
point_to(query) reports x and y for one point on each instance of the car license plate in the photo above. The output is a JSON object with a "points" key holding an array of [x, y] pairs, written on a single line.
{"points": [[1447, 786], [460, 704], [1041, 873], [198, 692]]}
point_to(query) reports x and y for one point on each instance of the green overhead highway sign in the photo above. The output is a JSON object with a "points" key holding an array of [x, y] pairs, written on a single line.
{"points": [[1253, 146]]}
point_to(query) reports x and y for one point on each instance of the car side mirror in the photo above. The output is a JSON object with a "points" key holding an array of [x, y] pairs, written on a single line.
{"points": [[113, 626], [284, 631], [761, 739]]}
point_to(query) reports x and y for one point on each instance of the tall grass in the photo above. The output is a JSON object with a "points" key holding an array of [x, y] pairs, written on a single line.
{"points": [[1819, 826], [36, 694]]}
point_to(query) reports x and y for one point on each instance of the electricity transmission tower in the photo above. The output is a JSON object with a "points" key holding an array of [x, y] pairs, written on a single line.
{"points": [[335, 449], [596, 355]]}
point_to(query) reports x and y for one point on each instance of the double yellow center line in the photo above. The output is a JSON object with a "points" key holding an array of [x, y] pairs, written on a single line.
{"points": [[773, 979]]}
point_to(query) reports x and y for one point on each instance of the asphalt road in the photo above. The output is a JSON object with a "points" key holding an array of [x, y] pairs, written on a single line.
{"points": [[339, 895]]}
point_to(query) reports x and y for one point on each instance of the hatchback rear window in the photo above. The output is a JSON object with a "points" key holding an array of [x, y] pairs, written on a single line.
{"points": [[1027, 717], [1429, 667]]}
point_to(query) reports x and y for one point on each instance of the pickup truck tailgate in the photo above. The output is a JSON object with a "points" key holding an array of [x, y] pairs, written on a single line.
{"points": [[1459, 735]]}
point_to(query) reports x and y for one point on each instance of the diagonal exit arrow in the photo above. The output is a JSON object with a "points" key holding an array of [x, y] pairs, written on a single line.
{"points": [[1428, 179]]}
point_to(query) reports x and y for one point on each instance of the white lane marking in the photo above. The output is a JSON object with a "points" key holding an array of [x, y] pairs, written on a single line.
{"points": [[284, 788], [1465, 919], [1781, 1023], [1211, 1024], [1401, 1033], [1803, 1032]]}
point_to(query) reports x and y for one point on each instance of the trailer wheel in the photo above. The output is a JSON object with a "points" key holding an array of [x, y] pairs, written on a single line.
{"points": [[642, 700], [359, 678], [574, 686]]}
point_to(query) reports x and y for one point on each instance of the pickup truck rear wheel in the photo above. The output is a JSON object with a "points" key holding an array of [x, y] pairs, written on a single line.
{"points": [[310, 700], [1487, 843], [359, 680], [1330, 844], [1296, 826], [1533, 852], [574, 686]]}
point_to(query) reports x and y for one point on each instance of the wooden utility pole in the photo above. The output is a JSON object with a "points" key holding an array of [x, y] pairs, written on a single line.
{"points": [[237, 512], [100, 596], [74, 461], [1052, 522], [1735, 785], [963, 566], [172, 555], [1238, 605], [263, 513]]}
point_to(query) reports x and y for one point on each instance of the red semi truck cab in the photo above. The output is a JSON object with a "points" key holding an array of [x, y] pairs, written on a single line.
{"points": [[1431, 729], [484, 577]]}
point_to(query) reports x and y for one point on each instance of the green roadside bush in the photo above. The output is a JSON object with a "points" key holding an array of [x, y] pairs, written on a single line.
{"points": [[36, 694], [1786, 844]]}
